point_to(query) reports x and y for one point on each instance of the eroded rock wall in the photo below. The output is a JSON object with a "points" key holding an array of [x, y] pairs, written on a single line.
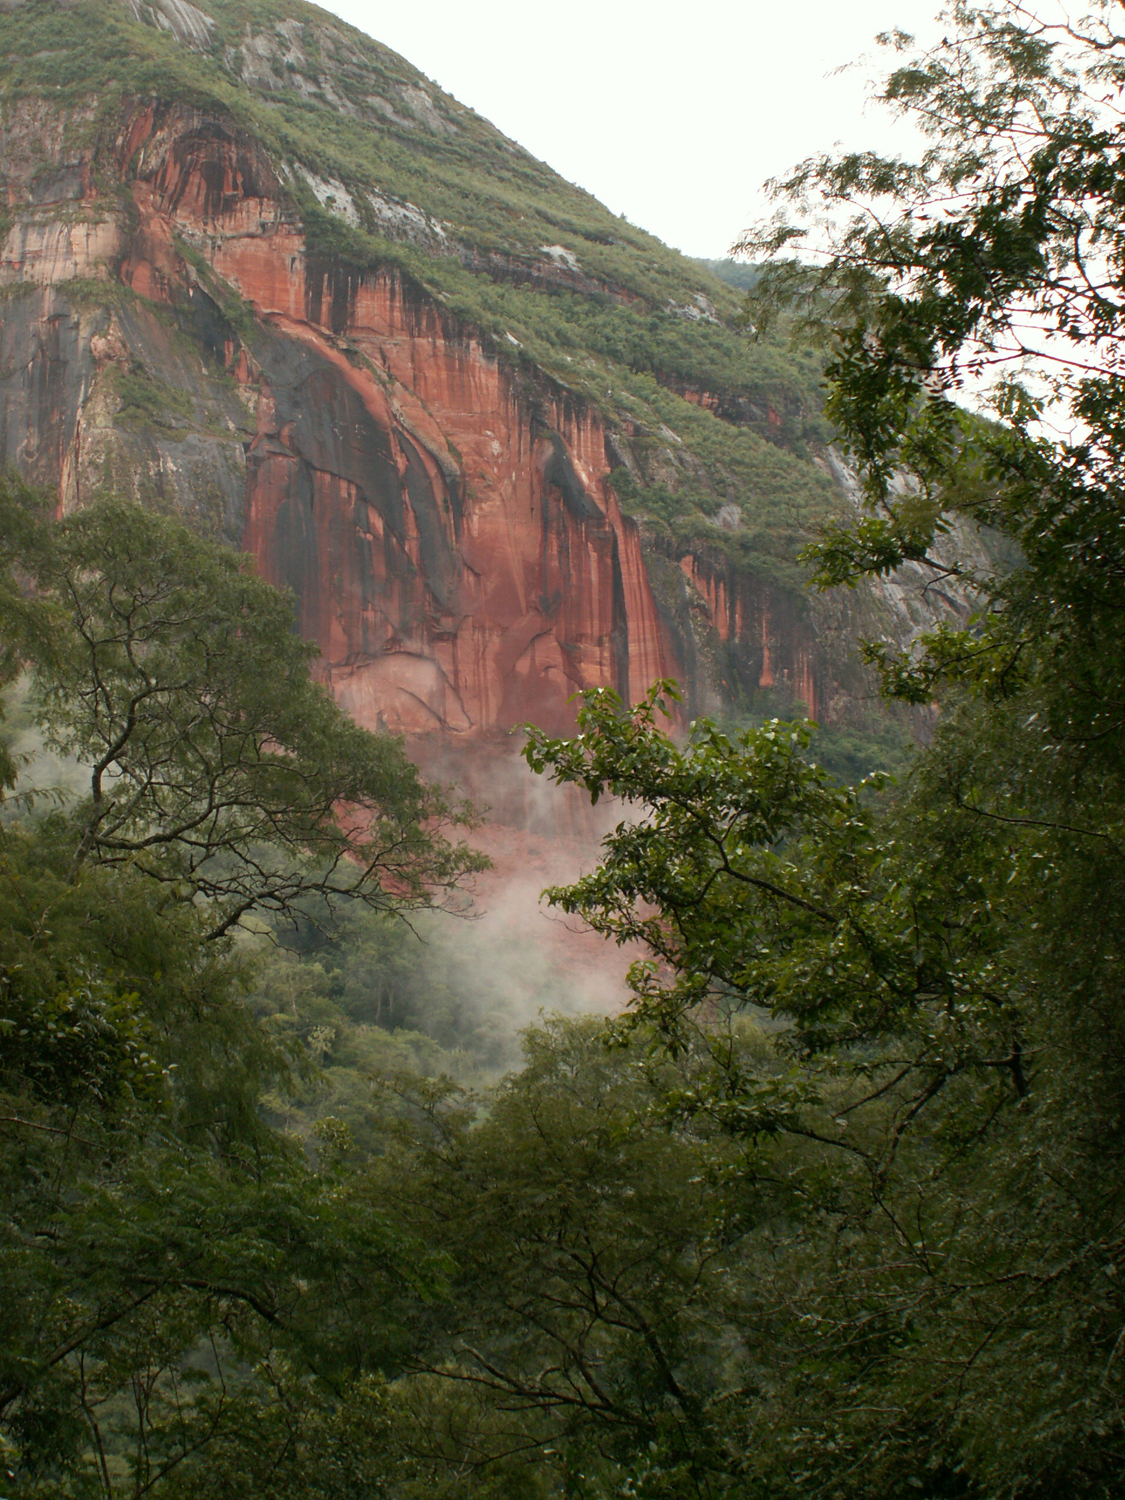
{"points": [[441, 510]]}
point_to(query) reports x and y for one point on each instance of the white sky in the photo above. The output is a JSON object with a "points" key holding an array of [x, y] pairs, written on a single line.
{"points": [[671, 114]]}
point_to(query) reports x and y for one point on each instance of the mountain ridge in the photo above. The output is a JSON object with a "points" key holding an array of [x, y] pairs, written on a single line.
{"points": [[234, 234]]}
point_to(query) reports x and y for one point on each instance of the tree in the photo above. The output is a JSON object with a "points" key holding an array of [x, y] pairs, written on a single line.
{"points": [[940, 963], [189, 1300], [608, 1274], [218, 767], [945, 1024], [1000, 255]]}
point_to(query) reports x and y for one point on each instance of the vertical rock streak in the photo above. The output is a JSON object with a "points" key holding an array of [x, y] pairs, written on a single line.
{"points": [[444, 519]]}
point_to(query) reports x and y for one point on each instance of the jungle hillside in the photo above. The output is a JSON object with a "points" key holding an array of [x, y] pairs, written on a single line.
{"points": [[833, 1208]]}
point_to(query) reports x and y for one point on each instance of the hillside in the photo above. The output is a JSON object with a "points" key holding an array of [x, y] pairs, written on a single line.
{"points": [[501, 443]]}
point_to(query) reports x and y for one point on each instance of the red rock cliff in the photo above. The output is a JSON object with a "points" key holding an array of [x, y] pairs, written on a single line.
{"points": [[447, 529], [440, 509]]}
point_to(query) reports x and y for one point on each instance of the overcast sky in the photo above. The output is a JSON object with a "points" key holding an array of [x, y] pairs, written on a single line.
{"points": [[673, 115]]}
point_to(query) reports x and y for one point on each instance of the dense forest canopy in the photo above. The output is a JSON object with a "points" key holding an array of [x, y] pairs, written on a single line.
{"points": [[836, 1208]]}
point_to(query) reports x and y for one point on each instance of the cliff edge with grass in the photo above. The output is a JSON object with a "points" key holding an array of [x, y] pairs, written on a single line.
{"points": [[500, 443]]}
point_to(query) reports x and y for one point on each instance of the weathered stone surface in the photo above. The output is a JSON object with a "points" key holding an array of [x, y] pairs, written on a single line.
{"points": [[451, 539], [443, 515]]}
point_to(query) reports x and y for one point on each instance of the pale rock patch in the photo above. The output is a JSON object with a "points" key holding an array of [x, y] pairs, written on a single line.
{"points": [[561, 256], [332, 195], [186, 22], [421, 106]]}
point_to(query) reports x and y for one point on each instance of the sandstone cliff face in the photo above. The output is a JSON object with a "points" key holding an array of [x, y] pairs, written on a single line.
{"points": [[442, 507], [450, 538], [444, 518], [436, 485]]}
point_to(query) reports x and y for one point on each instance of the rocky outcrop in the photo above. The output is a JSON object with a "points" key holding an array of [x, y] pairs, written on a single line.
{"points": [[447, 531], [443, 516], [441, 507]]}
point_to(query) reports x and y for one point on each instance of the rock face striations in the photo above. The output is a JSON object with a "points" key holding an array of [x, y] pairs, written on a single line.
{"points": [[499, 444], [451, 539]]}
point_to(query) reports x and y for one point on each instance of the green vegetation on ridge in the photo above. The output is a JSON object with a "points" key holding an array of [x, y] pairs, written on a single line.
{"points": [[642, 324]]}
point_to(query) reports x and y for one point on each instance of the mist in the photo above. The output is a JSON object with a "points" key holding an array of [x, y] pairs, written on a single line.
{"points": [[44, 775], [472, 981]]}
